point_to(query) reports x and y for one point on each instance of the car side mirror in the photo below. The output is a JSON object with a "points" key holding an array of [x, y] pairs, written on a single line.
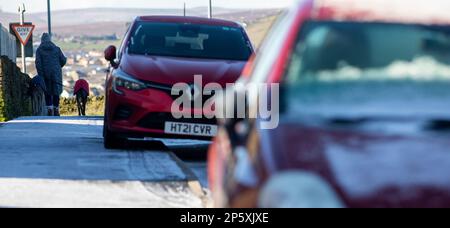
{"points": [[111, 54]]}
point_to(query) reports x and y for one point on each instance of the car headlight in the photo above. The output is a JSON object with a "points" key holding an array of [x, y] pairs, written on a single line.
{"points": [[298, 190], [123, 80]]}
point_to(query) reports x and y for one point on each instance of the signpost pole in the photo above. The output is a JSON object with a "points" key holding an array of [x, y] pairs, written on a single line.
{"points": [[49, 16], [210, 15], [22, 22]]}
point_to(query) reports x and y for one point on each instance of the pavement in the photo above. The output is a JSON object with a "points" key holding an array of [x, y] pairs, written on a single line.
{"points": [[61, 162]]}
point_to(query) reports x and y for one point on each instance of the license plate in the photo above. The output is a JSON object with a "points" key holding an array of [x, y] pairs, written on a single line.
{"points": [[190, 129]]}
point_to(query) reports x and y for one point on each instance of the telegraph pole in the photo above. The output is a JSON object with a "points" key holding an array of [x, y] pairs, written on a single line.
{"points": [[22, 11], [210, 15], [49, 18], [184, 9]]}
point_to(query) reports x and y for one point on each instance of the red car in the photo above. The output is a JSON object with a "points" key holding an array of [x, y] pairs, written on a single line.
{"points": [[364, 111], [158, 52]]}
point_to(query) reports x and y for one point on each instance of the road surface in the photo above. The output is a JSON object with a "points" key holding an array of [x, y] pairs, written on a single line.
{"points": [[61, 162]]}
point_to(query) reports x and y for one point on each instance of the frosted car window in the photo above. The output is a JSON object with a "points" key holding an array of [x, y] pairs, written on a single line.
{"points": [[349, 69]]}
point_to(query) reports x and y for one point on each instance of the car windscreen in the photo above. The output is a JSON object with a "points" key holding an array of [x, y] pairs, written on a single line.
{"points": [[370, 69], [189, 41]]}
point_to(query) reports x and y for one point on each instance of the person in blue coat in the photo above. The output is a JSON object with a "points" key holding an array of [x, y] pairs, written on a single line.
{"points": [[49, 63]]}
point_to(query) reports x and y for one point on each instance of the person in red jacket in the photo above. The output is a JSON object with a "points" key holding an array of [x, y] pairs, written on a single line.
{"points": [[81, 91]]}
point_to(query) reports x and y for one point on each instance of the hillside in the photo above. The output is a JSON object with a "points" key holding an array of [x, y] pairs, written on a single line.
{"points": [[107, 21], [258, 30]]}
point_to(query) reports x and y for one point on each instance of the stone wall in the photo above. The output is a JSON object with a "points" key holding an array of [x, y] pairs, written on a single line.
{"points": [[14, 87], [7, 44]]}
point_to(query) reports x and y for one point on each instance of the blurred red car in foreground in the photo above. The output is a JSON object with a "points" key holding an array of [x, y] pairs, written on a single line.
{"points": [[365, 114]]}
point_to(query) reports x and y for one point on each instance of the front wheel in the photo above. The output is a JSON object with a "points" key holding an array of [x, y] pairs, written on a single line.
{"points": [[110, 139]]}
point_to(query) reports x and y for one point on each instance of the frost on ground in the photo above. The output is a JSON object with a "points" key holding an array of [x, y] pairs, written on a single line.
{"points": [[93, 194], [61, 162]]}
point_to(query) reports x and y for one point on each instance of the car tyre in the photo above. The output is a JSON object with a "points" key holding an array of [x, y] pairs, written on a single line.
{"points": [[110, 139]]}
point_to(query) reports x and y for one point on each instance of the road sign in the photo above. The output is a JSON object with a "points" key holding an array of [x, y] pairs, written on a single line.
{"points": [[28, 48], [23, 32]]}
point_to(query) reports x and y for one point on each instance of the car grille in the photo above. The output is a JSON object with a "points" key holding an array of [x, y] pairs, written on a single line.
{"points": [[123, 113], [168, 90]]}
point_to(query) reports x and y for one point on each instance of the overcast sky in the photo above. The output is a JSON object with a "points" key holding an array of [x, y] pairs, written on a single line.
{"points": [[40, 5]]}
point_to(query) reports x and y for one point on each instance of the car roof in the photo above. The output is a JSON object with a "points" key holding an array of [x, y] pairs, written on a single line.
{"points": [[391, 11], [191, 20]]}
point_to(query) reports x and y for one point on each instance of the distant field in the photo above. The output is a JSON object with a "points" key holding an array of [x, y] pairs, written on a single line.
{"points": [[258, 30], [97, 46]]}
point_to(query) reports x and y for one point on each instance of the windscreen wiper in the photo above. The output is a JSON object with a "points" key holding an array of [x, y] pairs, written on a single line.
{"points": [[348, 122], [439, 125]]}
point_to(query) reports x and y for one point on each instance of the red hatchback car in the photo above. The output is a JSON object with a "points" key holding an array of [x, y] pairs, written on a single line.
{"points": [[364, 111], [158, 52]]}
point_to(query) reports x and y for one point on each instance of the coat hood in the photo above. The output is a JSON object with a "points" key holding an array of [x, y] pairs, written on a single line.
{"points": [[46, 42], [45, 38]]}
